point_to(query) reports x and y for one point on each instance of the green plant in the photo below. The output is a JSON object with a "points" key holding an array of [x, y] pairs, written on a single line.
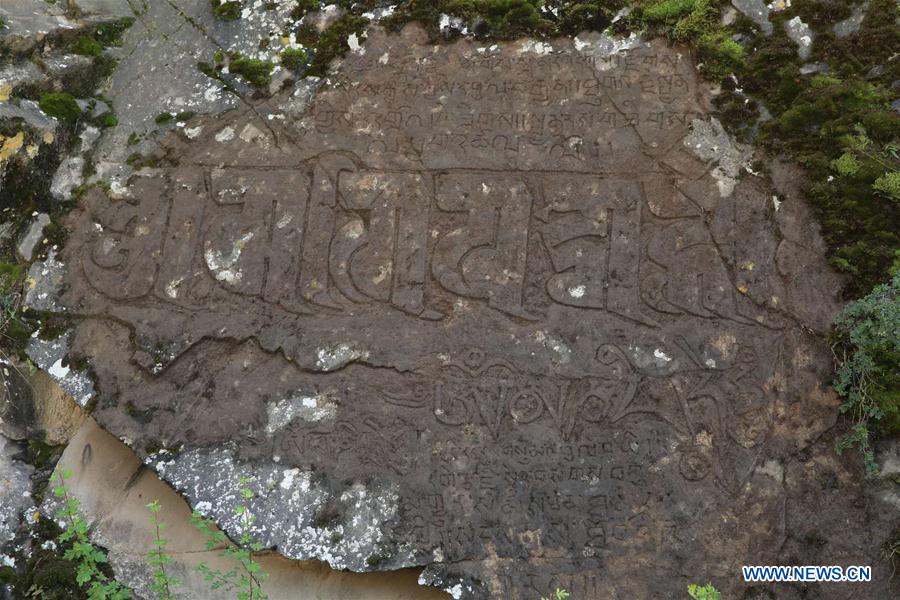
{"points": [[248, 581], [704, 592], [89, 558], [558, 594], [888, 184], [164, 117], [163, 582], [60, 105], [867, 377]]}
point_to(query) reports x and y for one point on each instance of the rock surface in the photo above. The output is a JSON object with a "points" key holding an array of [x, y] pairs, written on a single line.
{"points": [[520, 314]]}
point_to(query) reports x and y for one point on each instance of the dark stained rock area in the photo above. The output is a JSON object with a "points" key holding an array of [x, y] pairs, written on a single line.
{"points": [[521, 313]]}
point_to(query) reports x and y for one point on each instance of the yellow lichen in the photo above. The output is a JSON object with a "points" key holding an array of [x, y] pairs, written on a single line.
{"points": [[11, 145]]}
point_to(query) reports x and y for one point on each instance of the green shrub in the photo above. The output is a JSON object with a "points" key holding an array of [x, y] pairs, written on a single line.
{"points": [[89, 559], [60, 105], [868, 378]]}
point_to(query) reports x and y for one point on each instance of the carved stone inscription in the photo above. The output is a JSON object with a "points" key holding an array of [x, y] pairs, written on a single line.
{"points": [[495, 278]]}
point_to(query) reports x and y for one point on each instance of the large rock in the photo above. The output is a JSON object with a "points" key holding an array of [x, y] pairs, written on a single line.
{"points": [[521, 314]]}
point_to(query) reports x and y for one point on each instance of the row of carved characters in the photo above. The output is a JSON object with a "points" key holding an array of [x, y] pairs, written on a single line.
{"points": [[489, 64], [534, 128], [724, 401], [335, 236], [539, 90], [595, 515]]}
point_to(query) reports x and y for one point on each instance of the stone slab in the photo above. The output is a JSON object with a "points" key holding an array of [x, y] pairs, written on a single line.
{"points": [[521, 314]]}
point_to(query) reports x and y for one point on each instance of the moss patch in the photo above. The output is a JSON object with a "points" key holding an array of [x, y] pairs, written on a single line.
{"points": [[229, 10], [294, 59], [60, 105], [87, 46], [258, 73]]}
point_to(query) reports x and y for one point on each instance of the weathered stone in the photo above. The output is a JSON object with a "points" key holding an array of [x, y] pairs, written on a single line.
{"points": [[16, 74], [801, 34], [812, 68], [851, 24], [30, 112], [113, 489], [33, 236], [67, 177], [16, 403], [44, 283], [53, 357], [67, 64], [28, 19], [15, 493], [757, 11], [522, 314]]}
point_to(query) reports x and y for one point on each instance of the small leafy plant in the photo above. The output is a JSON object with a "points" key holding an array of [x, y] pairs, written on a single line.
{"points": [[703, 592], [558, 594], [88, 558], [247, 580], [876, 163], [163, 582]]}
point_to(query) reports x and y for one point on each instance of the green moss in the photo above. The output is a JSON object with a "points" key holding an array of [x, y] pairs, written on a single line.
{"points": [[185, 115], [668, 11], [294, 58], [163, 117], [229, 10], [109, 120], [719, 55], [60, 105], [87, 46], [258, 73], [10, 273]]}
